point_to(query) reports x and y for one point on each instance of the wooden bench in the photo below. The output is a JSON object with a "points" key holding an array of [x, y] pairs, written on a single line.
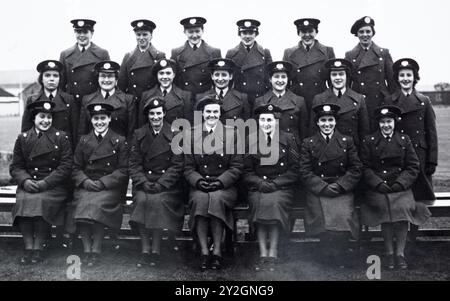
{"points": [[440, 208]]}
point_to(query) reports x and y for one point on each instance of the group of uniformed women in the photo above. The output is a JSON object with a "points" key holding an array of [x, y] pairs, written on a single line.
{"points": [[75, 155]]}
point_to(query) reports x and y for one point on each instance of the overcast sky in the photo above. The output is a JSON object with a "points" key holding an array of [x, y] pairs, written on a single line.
{"points": [[36, 30]]}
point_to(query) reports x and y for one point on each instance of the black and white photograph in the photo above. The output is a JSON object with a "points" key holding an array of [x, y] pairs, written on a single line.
{"points": [[244, 142]]}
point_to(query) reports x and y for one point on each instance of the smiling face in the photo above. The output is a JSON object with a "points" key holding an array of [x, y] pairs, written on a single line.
{"points": [[211, 114], [194, 34], [156, 118], [107, 80], [326, 124], [100, 122], [166, 77], [247, 37], [308, 35], [279, 81], [365, 35], [406, 79], [387, 125], [50, 80], [143, 38], [267, 123], [338, 79], [83, 36], [221, 78], [43, 121]]}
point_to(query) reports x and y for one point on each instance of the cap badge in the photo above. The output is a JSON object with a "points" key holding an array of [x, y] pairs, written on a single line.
{"points": [[51, 64], [107, 66], [155, 103], [326, 108], [384, 111], [306, 23], [193, 21], [80, 23], [247, 23], [270, 107], [47, 106], [221, 63], [405, 63], [279, 66], [337, 64], [163, 63], [97, 108], [140, 24], [367, 20]]}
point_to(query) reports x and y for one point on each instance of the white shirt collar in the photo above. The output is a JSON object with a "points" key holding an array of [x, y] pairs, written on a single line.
{"points": [[111, 93], [47, 93], [225, 91], [310, 46], [325, 136], [279, 94], [208, 129], [198, 45], [366, 47], [336, 91], [85, 47], [103, 134], [167, 89], [407, 92], [386, 136]]}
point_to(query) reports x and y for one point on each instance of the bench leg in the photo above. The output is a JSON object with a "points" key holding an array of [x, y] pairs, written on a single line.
{"points": [[413, 232]]}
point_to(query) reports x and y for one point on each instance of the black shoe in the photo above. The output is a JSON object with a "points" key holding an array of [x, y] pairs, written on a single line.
{"points": [[401, 262], [271, 263], [25, 259], [216, 262], [204, 262], [155, 259], [93, 259], [260, 264], [37, 256], [143, 260], [389, 261]]}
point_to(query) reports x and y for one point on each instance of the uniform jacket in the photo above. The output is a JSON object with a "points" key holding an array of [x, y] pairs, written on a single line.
{"points": [[65, 117], [294, 118], [123, 120], [135, 75], [80, 78], [335, 162], [48, 158], [178, 104], [106, 160], [152, 159], [193, 72], [284, 173], [308, 76], [252, 77], [353, 119], [389, 162], [234, 104]]}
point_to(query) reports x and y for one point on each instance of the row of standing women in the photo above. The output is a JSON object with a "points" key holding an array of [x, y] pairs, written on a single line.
{"points": [[329, 169]]}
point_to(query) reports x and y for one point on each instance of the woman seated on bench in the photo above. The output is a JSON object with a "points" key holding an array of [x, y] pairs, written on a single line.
{"points": [[100, 173], [391, 166], [41, 166], [271, 183]]}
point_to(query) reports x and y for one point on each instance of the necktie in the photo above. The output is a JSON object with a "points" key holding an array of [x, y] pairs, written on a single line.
{"points": [[248, 48], [195, 47], [164, 92], [221, 94], [39, 135], [339, 94], [107, 95], [50, 97], [269, 140], [327, 138], [155, 133], [366, 49], [407, 94], [99, 137], [83, 49], [210, 131], [279, 96], [308, 48], [388, 138]]}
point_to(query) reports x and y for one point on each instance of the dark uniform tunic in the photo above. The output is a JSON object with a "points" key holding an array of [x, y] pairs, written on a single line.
{"points": [[308, 76], [135, 75], [234, 104], [217, 165], [372, 76], [152, 160], [418, 121], [193, 73], [47, 158], [178, 104], [252, 78], [322, 164], [294, 118], [353, 119], [390, 161], [106, 161], [272, 206], [123, 118], [79, 76], [65, 118]]}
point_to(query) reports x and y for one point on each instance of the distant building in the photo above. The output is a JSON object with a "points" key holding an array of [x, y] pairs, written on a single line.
{"points": [[9, 104]]}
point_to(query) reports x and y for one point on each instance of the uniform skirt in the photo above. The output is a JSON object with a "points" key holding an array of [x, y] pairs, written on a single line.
{"points": [[218, 204], [50, 205], [163, 210], [394, 207], [103, 207], [271, 207]]}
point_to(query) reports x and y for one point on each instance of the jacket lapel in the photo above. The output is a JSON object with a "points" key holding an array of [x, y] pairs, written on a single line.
{"points": [[253, 58], [198, 56], [230, 101], [90, 56], [144, 60], [304, 58], [160, 143], [44, 145], [331, 150], [105, 148]]}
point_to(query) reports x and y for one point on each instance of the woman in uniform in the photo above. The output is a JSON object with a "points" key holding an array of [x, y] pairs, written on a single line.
{"points": [[41, 166], [418, 121], [294, 118], [391, 167], [123, 118], [330, 169], [100, 175], [156, 172], [353, 119], [270, 186], [64, 115]]}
